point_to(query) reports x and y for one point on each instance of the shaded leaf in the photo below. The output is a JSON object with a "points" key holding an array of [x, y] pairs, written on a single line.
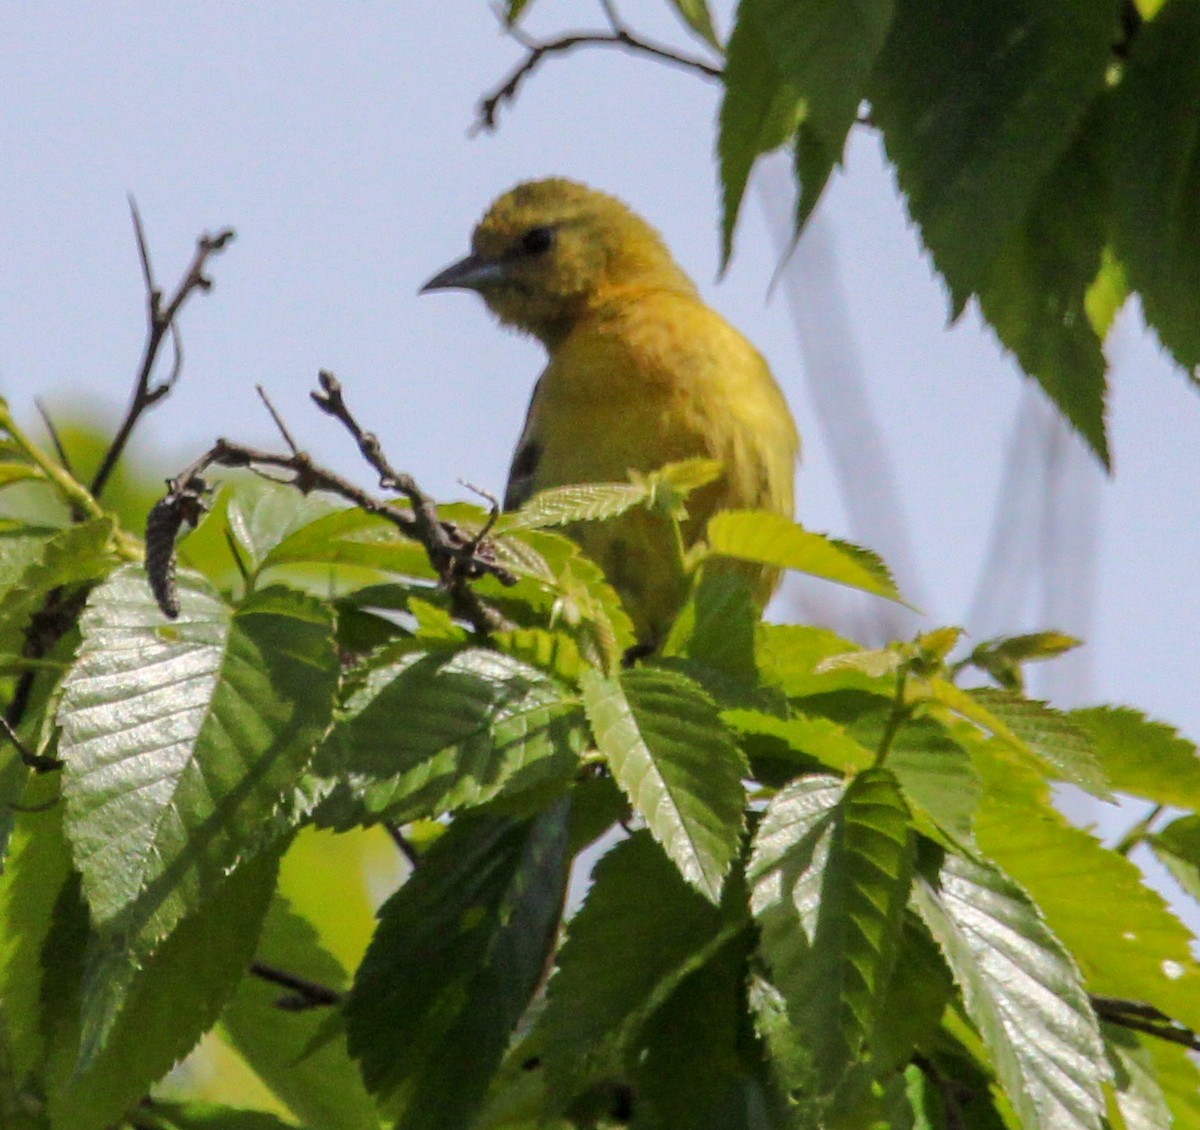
{"points": [[1155, 171], [598, 997], [320, 1085], [696, 15], [976, 106], [673, 757], [459, 951], [351, 537], [1178, 846], [1139, 1098], [475, 723]]}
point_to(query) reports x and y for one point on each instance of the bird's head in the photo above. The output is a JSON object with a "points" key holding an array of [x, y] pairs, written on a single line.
{"points": [[549, 250]]}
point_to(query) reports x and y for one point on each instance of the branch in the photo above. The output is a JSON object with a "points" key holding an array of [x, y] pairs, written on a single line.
{"points": [[619, 35], [1141, 1017], [306, 994], [160, 323], [456, 556]]}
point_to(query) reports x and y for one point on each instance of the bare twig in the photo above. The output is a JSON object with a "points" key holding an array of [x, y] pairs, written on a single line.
{"points": [[160, 322], [618, 35], [36, 761], [1139, 1016], [305, 994], [401, 841], [456, 556], [55, 438], [283, 431]]}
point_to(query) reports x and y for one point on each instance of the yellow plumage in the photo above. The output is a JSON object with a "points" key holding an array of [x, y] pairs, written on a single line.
{"points": [[641, 373]]}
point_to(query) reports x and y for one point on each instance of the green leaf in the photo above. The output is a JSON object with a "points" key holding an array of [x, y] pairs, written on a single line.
{"points": [[260, 515], [1139, 1098], [205, 1116], [1001, 657], [426, 734], [1031, 728], [1141, 756], [77, 554], [1034, 292], [716, 631], [323, 1086], [184, 743], [18, 472], [599, 998], [695, 14], [554, 652], [1179, 1077], [673, 757], [936, 776], [515, 8], [351, 537], [791, 657], [173, 998], [772, 539], [1155, 170], [695, 1062], [977, 105], [1120, 932], [582, 502], [459, 951], [810, 737], [1021, 990], [792, 62], [829, 877], [1178, 846]]}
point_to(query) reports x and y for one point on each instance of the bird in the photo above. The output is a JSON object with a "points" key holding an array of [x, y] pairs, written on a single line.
{"points": [[641, 372]]}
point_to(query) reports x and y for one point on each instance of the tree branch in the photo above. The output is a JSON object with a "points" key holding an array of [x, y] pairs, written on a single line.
{"points": [[306, 994], [456, 556], [160, 323], [618, 35]]}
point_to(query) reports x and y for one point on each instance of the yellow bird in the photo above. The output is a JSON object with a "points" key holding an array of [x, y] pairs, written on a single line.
{"points": [[641, 373]]}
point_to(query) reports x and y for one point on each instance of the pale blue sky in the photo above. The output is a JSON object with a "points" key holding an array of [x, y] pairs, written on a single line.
{"points": [[334, 137]]}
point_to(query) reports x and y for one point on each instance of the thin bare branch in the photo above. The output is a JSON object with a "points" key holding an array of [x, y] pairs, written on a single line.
{"points": [[160, 321], [305, 994], [55, 438], [283, 430], [618, 35]]}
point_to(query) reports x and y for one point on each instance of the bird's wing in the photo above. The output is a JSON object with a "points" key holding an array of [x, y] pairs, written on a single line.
{"points": [[525, 460]]}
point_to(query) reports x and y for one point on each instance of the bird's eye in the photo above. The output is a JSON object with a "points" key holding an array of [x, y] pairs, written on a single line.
{"points": [[537, 241]]}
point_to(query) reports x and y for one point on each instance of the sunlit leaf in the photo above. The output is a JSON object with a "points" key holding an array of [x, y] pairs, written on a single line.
{"points": [[673, 757]]}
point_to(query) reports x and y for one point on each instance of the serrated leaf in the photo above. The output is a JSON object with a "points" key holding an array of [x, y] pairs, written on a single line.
{"points": [[772, 539], [172, 998], [598, 998], [553, 652], [426, 734], [976, 105], [1029, 727], [1178, 846], [351, 537], [1155, 166], [1001, 657], [669, 751], [829, 876], [261, 514], [459, 951], [183, 743], [582, 502], [1021, 990], [323, 1086], [1179, 1077], [1119, 931], [936, 777], [1034, 292], [77, 554], [790, 656], [1139, 1098], [820, 738], [715, 629], [790, 63], [1141, 756]]}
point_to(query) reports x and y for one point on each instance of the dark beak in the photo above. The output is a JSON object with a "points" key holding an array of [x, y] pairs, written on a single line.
{"points": [[472, 273]]}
